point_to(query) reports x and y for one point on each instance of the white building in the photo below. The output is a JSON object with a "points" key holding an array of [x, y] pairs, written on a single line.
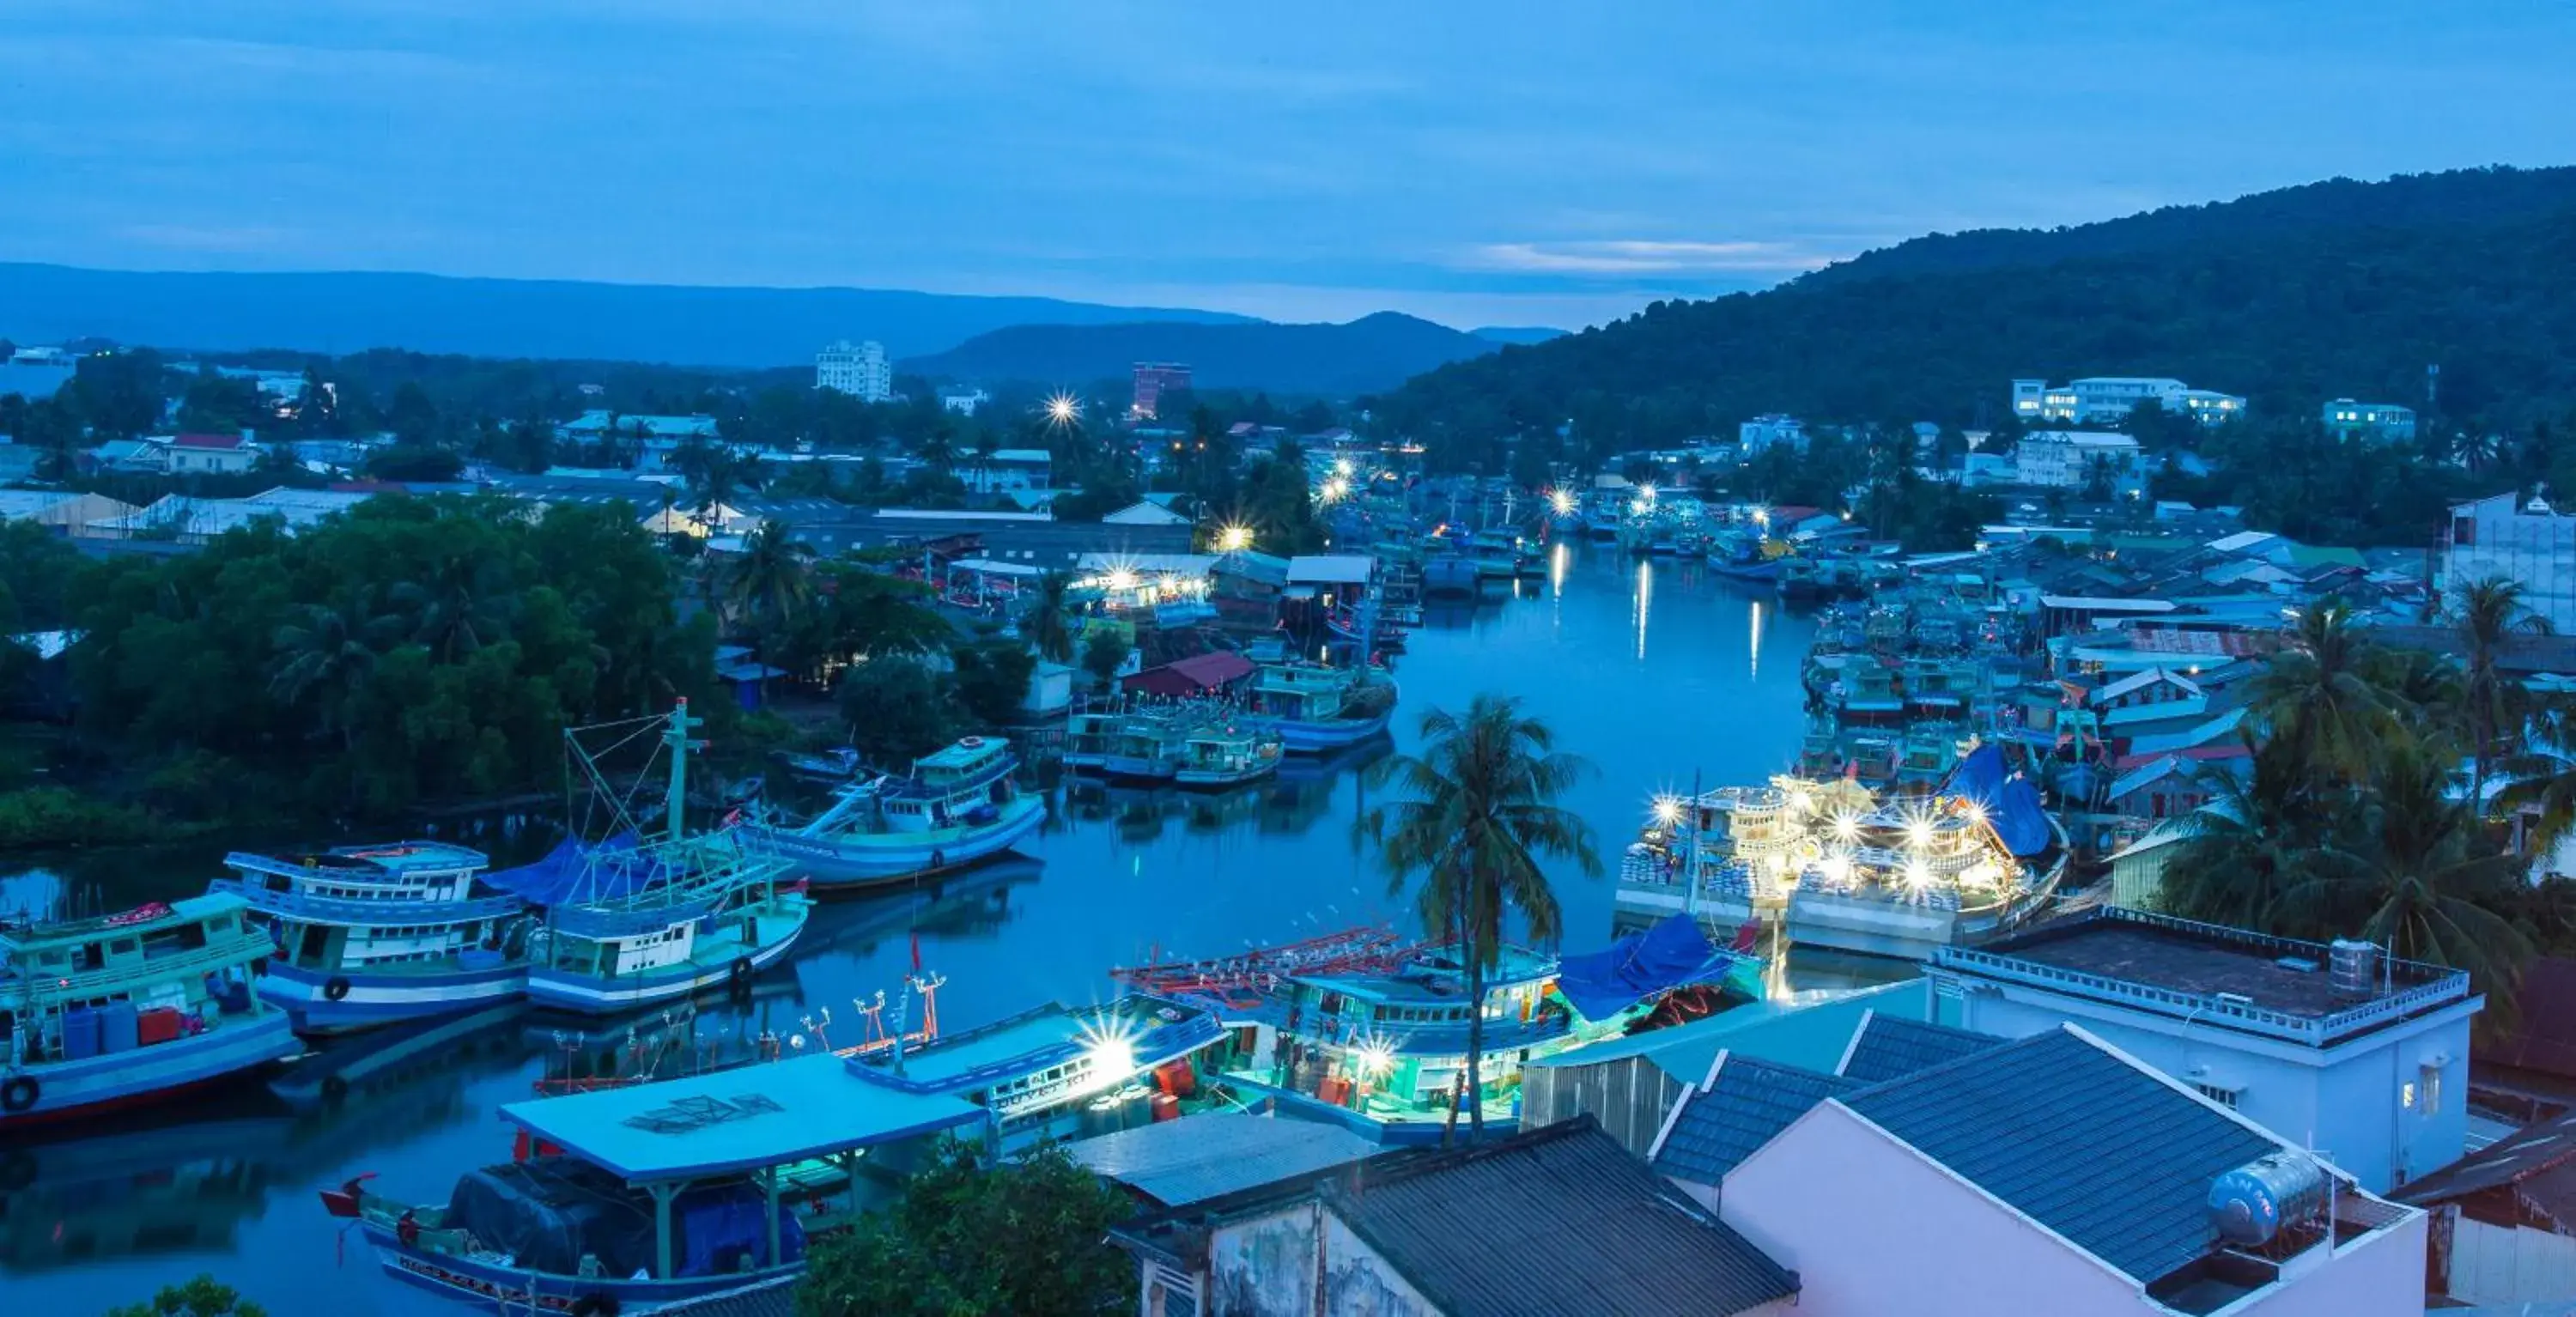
{"points": [[2530, 543], [2105, 398], [2058, 1175], [1005, 469], [860, 370], [2346, 419], [964, 402], [2358, 1058], [1763, 431], [2065, 459]]}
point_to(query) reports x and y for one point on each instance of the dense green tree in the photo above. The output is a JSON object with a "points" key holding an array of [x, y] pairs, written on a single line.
{"points": [[2489, 614], [991, 679], [202, 1297], [770, 578], [1024, 1238], [898, 708], [1473, 822], [1047, 621], [2317, 693], [1103, 653]]}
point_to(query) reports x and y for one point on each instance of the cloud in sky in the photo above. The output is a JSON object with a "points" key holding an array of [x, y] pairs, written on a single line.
{"points": [[1488, 161]]}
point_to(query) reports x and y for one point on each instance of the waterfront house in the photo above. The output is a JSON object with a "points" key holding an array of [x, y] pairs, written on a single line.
{"points": [[2504, 1218], [2353, 1054], [1554, 1220], [2056, 1174]]}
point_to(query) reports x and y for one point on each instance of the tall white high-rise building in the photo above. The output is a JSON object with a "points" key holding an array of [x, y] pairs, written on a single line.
{"points": [[858, 369]]}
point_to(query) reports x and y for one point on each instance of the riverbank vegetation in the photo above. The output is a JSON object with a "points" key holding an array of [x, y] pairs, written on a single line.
{"points": [[2352, 822], [1019, 1238]]}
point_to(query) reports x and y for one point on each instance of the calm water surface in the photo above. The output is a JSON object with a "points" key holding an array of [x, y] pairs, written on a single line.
{"points": [[1653, 671]]}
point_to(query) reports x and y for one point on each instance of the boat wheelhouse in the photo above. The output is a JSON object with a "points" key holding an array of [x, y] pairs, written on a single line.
{"points": [[1140, 746], [646, 917], [1316, 709], [1055, 1072], [1369, 1030], [637, 1197], [959, 805], [123, 1009], [1224, 754], [1840, 867], [371, 935]]}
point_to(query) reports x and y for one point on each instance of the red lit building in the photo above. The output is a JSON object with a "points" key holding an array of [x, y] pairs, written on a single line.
{"points": [[1153, 380]]}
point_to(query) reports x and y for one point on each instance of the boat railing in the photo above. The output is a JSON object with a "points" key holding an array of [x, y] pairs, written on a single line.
{"points": [[214, 957], [361, 869], [348, 910]]}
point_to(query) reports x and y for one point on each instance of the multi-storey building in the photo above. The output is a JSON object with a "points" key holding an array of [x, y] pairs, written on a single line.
{"points": [[1153, 380], [2346, 419], [2066, 459], [2108, 398], [1764, 431], [860, 370], [2527, 542]]}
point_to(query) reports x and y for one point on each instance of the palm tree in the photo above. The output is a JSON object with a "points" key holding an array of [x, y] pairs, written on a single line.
{"points": [[2252, 842], [2490, 613], [768, 579], [452, 609], [2417, 875], [326, 659], [2316, 695], [1476, 816], [1045, 623]]}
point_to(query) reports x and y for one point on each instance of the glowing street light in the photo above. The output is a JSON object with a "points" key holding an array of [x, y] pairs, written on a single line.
{"points": [[1342, 466], [1562, 500], [1234, 539], [1063, 409], [1333, 490], [1668, 810]]}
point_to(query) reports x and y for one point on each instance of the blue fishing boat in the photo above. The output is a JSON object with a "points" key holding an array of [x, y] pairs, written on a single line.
{"points": [[958, 806], [372, 935], [1136, 746], [652, 915], [1316, 709], [133, 1007], [1055, 1072]]}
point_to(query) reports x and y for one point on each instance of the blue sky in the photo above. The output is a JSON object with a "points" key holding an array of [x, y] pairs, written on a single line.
{"points": [[1491, 163]]}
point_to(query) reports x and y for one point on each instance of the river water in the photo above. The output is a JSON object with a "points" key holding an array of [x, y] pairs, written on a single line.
{"points": [[1653, 671]]}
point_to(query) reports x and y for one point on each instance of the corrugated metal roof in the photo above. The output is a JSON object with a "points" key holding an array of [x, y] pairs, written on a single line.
{"points": [[1891, 1047], [769, 1298], [2078, 1139], [1748, 1102], [1179, 1162], [1488, 1231]]}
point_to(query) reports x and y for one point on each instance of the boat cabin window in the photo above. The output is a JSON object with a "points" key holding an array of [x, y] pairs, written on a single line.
{"points": [[90, 955]]}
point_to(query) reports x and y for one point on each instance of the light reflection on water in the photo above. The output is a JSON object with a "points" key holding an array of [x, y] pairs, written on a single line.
{"points": [[1117, 876]]}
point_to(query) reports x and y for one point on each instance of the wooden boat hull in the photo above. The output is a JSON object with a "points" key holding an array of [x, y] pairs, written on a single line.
{"points": [[369, 1001], [151, 1072], [1314, 738], [485, 1286], [591, 995], [841, 863]]}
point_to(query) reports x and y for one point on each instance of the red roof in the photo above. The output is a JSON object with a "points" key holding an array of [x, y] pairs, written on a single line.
{"points": [[219, 442], [1195, 675]]}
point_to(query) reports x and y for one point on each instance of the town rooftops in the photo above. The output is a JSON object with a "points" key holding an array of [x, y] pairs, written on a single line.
{"points": [[1892, 1047], [1179, 1162], [212, 443], [1196, 675], [1741, 1105], [730, 1121], [2104, 1153], [2216, 977], [2533, 1168], [1487, 1231], [1812, 1035]]}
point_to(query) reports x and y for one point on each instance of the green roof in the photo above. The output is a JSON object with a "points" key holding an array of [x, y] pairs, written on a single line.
{"points": [[735, 1120], [1810, 1035], [2309, 555]]}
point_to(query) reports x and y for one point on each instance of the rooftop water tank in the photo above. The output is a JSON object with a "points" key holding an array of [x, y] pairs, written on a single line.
{"points": [[2354, 967], [2249, 1205]]}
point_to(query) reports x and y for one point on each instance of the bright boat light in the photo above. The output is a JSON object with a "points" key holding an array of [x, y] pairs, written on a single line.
{"points": [[1374, 1058], [1122, 579], [1108, 1054], [1846, 827], [1668, 810], [1563, 501], [1917, 876], [1918, 832], [1342, 466]]}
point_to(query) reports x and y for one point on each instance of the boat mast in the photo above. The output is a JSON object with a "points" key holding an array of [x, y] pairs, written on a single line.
{"points": [[1690, 894], [676, 736]]}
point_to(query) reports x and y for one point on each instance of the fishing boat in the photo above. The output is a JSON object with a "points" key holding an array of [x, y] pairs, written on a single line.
{"points": [[1219, 754], [957, 806], [837, 764], [1369, 1030], [132, 1007], [373, 935], [1121, 744], [1316, 709], [656, 911], [1054, 1073]]}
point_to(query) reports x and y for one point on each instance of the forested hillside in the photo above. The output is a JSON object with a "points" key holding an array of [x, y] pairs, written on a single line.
{"points": [[1373, 352], [2292, 298]]}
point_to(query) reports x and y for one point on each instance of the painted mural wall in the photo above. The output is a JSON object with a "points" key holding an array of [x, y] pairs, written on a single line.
{"points": [[1272, 1266]]}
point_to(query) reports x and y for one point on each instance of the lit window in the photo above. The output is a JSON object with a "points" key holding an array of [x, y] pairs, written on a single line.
{"points": [[2406, 1095]]}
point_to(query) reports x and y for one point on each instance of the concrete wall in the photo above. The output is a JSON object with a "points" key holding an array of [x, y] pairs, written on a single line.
{"points": [[2505, 1264], [1872, 1228], [2344, 1102], [2381, 1276]]}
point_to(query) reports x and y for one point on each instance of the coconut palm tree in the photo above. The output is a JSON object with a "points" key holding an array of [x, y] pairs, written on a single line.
{"points": [[325, 660], [2317, 695], [454, 609], [1474, 819], [2414, 872], [767, 581], [2491, 612], [1045, 624], [2254, 840]]}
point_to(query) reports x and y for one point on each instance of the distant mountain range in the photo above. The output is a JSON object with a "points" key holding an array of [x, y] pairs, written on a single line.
{"points": [[2292, 297], [1517, 333], [1368, 354], [679, 325]]}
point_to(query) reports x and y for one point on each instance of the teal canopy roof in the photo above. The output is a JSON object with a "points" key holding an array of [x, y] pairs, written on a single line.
{"points": [[736, 1120]]}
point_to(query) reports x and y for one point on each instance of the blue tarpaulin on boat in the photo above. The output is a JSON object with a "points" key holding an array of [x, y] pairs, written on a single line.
{"points": [[566, 874], [1980, 776], [2019, 819], [1672, 954]]}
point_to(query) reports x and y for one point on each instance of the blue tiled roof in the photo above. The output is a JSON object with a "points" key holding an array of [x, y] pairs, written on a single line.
{"points": [[1751, 1101], [1888, 1047], [2077, 1139]]}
